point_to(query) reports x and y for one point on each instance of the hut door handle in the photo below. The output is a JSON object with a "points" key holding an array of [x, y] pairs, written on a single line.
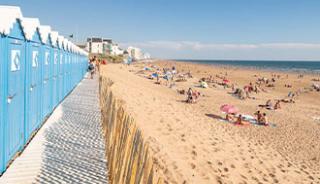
{"points": [[32, 86], [11, 97]]}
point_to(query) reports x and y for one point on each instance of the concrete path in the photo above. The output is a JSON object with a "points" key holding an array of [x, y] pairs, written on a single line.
{"points": [[69, 148]]}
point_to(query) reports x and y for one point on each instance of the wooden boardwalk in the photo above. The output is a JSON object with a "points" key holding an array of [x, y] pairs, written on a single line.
{"points": [[69, 148]]}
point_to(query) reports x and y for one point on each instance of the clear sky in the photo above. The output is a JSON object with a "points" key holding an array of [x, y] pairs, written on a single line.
{"points": [[204, 29]]}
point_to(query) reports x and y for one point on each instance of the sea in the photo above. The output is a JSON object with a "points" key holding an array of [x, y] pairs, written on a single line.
{"points": [[292, 66]]}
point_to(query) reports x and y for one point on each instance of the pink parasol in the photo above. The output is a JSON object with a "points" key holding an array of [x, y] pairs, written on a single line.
{"points": [[229, 109], [226, 81]]}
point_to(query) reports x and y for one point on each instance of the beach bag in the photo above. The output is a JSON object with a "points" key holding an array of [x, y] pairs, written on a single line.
{"points": [[91, 67]]}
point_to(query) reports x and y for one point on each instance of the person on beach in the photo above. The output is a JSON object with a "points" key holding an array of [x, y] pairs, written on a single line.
{"points": [[239, 120], [189, 96], [98, 65], [91, 68], [174, 70], [277, 105], [229, 117], [269, 104], [258, 114], [264, 119]]}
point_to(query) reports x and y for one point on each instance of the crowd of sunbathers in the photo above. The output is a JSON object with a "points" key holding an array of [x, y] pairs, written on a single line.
{"points": [[260, 119]]}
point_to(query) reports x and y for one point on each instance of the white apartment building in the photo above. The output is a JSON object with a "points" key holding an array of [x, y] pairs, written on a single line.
{"points": [[116, 50], [135, 53], [99, 45]]}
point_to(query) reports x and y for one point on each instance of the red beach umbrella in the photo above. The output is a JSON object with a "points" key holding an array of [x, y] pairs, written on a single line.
{"points": [[229, 109]]}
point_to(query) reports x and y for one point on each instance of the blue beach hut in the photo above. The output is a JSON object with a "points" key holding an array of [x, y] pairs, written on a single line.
{"points": [[2, 86], [33, 76], [45, 66], [55, 68], [65, 66], [13, 78], [61, 68], [69, 71]]}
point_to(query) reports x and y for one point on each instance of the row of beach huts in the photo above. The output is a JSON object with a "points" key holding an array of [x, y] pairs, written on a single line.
{"points": [[38, 69]]}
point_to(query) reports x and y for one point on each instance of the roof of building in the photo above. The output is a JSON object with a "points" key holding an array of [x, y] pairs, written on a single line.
{"points": [[29, 26], [44, 33], [60, 41], [54, 37], [8, 16]]}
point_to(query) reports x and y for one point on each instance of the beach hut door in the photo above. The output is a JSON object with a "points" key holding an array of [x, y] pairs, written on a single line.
{"points": [[15, 98]]}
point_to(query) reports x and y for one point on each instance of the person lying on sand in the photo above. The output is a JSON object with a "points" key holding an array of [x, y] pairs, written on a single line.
{"points": [[196, 95], [277, 105], [270, 85], [291, 100], [189, 74], [240, 121], [268, 104]]}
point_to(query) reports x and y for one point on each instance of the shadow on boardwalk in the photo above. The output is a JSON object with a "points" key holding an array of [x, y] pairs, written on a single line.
{"points": [[71, 147]]}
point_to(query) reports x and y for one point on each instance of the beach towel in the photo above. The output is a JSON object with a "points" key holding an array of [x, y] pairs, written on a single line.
{"points": [[248, 119], [203, 85], [154, 75]]}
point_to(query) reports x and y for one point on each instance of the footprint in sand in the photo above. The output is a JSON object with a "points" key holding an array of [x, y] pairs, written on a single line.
{"points": [[219, 180], [193, 166], [244, 177], [194, 153]]}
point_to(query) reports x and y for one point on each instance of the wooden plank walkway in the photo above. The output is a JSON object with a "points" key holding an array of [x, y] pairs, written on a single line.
{"points": [[69, 148]]}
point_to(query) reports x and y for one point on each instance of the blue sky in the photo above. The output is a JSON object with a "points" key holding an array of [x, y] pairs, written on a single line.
{"points": [[203, 29]]}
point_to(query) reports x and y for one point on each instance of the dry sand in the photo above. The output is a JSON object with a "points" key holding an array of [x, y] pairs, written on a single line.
{"points": [[191, 146]]}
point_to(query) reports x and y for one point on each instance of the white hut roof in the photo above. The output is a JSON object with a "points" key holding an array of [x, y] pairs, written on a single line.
{"points": [[60, 40], [71, 46], [65, 44], [44, 33], [8, 16], [54, 37], [29, 26]]}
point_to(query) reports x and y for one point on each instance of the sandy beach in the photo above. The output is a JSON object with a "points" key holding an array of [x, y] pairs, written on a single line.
{"points": [[191, 143]]}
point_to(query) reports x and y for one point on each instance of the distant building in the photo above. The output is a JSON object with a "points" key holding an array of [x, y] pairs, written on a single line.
{"points": [[116, 50], [136, 54], [99, 45]]}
